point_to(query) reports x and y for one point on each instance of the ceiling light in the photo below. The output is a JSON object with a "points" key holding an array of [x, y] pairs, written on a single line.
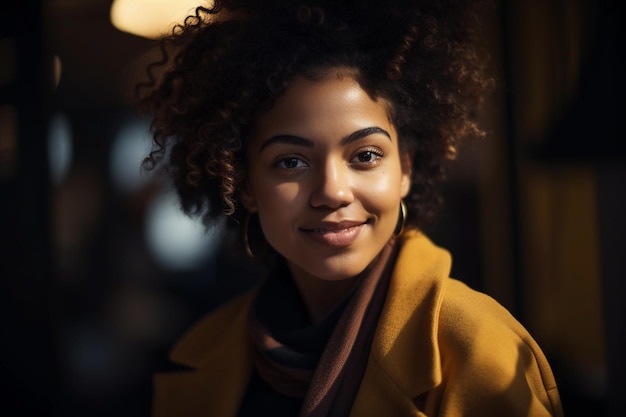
{"points": [[151, 18]]}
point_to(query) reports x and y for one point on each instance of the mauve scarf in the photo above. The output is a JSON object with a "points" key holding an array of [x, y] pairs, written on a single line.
{"points": [[327, 377]]}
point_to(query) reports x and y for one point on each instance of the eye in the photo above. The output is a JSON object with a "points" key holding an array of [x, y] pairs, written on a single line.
{"points": [[291, 163], [368, 156]]}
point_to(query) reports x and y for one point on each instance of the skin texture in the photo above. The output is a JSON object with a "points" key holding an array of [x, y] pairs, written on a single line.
{"points": [[326, 179]]}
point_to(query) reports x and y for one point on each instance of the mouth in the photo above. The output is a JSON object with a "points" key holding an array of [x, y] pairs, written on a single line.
{"points": [[328, 227], [340, 234]]}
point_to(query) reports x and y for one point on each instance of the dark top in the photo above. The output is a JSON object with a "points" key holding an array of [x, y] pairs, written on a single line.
{"points": [[280, 308]]}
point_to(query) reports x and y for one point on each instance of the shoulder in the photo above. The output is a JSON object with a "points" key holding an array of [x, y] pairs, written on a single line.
{"points": [[223, 327], [466, 314], [488, 358]]}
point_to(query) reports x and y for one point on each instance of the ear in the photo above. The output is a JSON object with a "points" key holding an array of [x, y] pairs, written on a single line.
{"points": [[407, 170], [246, 196]]}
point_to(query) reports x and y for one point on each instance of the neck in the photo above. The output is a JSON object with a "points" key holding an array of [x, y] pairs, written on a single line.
{"points": [[320, 296]]}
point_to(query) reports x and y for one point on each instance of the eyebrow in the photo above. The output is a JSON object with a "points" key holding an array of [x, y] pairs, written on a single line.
{"points": [[300, 141]]}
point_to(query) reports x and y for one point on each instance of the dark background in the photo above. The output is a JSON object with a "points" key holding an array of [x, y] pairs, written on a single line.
{"points": [[87, 311]]}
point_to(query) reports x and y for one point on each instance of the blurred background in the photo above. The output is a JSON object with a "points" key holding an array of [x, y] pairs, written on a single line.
{"points": [[100, 274]]}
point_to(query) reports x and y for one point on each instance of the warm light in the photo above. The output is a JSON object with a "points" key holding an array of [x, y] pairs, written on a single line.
{"points": [[57, 70], [151, 18]]}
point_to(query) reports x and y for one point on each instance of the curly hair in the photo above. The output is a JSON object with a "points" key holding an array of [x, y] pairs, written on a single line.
{"points": [[231, 60]]}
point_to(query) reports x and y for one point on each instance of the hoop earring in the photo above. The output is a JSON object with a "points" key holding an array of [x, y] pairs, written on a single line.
{"points": [[401, 220], [246, 239]]}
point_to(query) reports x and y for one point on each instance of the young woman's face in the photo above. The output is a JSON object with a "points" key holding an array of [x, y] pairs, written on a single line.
{"points": [[325, 176]]}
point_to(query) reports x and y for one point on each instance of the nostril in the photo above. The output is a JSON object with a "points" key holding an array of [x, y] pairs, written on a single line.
{"points": [[331, 196], [332, 188]]}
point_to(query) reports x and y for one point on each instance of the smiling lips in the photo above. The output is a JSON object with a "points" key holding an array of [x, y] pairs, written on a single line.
{"points": [[335, 234]]}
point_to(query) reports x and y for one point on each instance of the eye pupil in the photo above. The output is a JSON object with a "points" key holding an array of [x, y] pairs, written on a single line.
{"points": [[365, 157], [291, 163]]}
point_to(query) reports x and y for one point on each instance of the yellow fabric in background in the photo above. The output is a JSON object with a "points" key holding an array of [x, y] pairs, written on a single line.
{"points": [[548, 43], [563, 291]]}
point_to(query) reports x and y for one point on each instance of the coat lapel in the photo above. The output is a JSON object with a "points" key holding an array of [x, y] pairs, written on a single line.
{"points": [[221, 367], [404, 361]]}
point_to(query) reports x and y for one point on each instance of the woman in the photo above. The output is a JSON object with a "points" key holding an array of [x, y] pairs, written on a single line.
{"points": [[320, 128]]}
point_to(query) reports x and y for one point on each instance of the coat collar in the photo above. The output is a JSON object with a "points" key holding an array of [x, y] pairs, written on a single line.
{"points": [[408, 324], [404, 351], [404, 360], [219, 353]]}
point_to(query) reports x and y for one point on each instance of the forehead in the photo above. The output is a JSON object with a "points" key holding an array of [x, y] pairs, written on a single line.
{"points": [[332, 106]]}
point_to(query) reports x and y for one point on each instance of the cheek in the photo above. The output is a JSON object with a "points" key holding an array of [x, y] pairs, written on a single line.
{"points": [[385, 188], [277, 196], [276, 204]]}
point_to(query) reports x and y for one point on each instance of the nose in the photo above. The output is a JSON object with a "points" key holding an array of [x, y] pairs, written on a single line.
{"points": [[333, 186]]}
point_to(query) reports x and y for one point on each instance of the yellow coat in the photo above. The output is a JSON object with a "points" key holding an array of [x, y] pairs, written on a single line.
{"points": [[440, 349]]}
